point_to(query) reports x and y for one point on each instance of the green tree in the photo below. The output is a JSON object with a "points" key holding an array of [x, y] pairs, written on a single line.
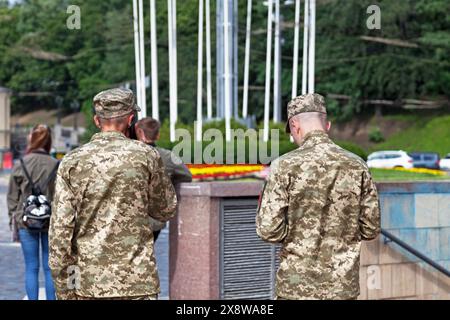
{"points": [[38, 53]]}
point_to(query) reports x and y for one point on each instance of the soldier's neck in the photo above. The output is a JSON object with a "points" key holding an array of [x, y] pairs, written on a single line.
{"points": [[113, 129]]}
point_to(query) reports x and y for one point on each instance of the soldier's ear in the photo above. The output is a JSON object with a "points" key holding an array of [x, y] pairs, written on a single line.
{"points": [[139, 133], [131, 120], [328, 126], [97, 122]]}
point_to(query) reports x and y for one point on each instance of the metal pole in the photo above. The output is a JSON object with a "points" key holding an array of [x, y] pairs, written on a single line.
{"points": [[296, 47], [312, 46], [415, 252], [277, 67], [154, 55], [175, 57], [143, 112], [170, 50], [227, 71], [305, 49], [219, 60], [247, 59], [171, 13], [137, 59], [208, 60], [200, 72], [234, 59], [268, 71]]}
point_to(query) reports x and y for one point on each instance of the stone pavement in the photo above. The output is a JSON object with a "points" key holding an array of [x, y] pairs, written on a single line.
{"points": [[12, 271], [12, 286]]}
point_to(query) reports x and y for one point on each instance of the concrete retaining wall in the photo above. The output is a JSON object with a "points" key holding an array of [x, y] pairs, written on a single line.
{"points": [[417, 213]]}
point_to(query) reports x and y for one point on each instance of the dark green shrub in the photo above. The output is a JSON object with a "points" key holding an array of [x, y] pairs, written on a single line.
{"points": [[375, 135]]}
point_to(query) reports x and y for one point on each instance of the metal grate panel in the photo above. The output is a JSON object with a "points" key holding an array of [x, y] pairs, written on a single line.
{"points": [[247, 263]]}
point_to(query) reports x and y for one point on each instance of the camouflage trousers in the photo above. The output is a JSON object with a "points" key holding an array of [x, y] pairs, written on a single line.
{"points": [[151, 297]]}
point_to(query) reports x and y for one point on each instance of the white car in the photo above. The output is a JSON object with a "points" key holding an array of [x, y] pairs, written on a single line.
{"points": [[445, 163], [390, 159]]}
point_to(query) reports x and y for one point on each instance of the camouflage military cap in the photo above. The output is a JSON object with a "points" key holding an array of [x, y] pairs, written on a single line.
{"points": [[115, 103], [311, 102]]}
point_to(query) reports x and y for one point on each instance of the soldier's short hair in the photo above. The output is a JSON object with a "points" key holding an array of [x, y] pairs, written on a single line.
{"points": [[118, 121], [311, 116], [150, 127]]}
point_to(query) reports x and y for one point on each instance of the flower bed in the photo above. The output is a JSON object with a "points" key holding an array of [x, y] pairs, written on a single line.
{"points": [[224, 172], [423, 170], [205, 172]]}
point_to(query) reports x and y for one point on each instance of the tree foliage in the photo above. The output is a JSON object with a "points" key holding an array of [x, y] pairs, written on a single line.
{"points": [[39, 54]]}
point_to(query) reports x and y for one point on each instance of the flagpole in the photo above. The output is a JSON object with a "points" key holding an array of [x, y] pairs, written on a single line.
{"points": [[208, 60], [247, 59], [154, 62], [175, 58], [305, 49], [227, 79], [200, 72], [277, 67], [137, 58], [171, 22], [143, 113], [296, 49], [312, 46], [268, 71]]}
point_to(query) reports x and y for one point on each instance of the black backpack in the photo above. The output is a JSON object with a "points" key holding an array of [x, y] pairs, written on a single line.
{"points": [[37, 208]]}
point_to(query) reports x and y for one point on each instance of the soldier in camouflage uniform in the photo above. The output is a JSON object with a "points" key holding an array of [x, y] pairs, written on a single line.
{"points": [[101, 240], [147, 131], [319, 202]]}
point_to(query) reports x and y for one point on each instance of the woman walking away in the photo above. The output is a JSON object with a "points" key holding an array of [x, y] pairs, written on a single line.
{"points": [[31, 189]]}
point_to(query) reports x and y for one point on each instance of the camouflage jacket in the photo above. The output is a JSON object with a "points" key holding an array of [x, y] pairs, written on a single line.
{"points": [[100, 237], [177, 173], [319, 201]]}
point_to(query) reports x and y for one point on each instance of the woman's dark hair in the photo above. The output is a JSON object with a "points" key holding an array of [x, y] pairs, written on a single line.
{"points": [[40, 138]]}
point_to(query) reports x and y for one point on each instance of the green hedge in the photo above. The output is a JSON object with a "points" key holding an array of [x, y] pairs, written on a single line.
{"points": [[284, 146]]}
